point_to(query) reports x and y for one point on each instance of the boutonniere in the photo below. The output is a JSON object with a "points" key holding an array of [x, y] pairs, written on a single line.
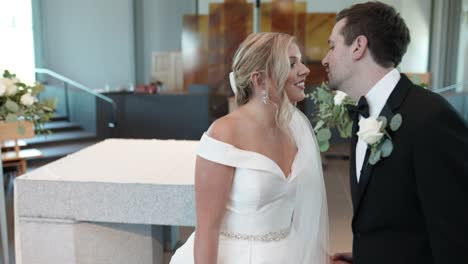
{"points": [[374, 133]]}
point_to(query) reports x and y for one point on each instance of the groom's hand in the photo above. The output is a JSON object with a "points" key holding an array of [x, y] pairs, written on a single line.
{"points": [[342, 258]]}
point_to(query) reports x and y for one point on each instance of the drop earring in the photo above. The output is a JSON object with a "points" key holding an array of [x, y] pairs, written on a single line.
{"points": [[264, 97]]}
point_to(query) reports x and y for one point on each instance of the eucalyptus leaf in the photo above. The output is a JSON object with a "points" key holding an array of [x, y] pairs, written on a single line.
{"points": [[336, 111], [349, 129], [387, 148], [323, 146], [324, 96], [7, 74], [21, 85], [21, 129], [342, 132], [11, 106], [374, 157], [11, 118], [319, 125], [382, 119], [323, 134], [396, 122]]}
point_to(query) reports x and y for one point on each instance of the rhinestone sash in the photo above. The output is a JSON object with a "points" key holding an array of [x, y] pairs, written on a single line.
{"points": [[268, 237]]}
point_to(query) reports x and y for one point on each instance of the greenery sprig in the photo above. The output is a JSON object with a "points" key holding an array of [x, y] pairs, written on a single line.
{"points": [[330, 111]]}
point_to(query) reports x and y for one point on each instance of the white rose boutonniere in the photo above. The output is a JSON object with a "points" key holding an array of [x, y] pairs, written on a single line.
{"points": [[339, 97], [373, 132], [370, 130]]}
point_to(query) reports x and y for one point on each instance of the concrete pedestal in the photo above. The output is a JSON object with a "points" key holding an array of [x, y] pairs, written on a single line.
{"points": [[105, 204]]}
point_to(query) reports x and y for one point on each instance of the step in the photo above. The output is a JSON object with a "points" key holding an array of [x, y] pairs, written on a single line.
{"points": [[9, 144], [64, 149], [61, 125], [61, 136], [27, 154], [59, 117], [55, 152], [18, 161]]}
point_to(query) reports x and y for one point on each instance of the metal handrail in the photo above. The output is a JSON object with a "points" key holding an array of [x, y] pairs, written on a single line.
{"points": [[464, 100], [113, 122], [448, 88]]}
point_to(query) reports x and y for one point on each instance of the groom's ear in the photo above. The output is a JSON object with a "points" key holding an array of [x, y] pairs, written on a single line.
{"points": [[359, 47]]}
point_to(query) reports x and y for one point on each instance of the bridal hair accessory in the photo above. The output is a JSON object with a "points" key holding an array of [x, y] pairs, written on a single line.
{"points": [[264, 97], [232, 81]]}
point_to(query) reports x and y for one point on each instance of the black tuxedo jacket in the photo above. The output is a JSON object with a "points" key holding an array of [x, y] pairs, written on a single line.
{"points": [[412, 207]]}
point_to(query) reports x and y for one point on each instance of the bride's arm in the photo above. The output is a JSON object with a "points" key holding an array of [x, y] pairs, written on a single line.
{"points": [[213, 183]]}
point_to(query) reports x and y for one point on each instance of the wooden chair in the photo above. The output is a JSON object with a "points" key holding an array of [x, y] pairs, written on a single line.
{"points": [[12, 154]]}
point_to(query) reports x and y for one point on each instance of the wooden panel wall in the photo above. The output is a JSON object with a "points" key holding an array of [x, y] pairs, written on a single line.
{"points": [[230, 23], [195, 50], [209, 42], [310, 29], [318, 28]]}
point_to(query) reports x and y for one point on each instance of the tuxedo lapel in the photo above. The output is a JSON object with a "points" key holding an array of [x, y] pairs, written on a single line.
{"points": [[366, 171], [352, 174], [393, 103]]}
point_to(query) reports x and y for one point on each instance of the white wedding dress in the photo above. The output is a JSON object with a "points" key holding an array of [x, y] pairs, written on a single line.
{"points": [[270, 218]]}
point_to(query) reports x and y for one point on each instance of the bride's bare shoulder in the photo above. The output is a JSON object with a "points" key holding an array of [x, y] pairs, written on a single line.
{"points": [[227, 128]]}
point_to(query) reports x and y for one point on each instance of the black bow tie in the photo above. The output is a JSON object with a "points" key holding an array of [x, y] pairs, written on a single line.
{"points": [[362, 108]]}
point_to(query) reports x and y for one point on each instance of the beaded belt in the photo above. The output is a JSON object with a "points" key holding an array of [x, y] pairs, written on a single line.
{"points": [[269, 237]]}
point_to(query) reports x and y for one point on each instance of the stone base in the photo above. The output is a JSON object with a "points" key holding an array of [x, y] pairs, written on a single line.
{"points": [[46, 241]]}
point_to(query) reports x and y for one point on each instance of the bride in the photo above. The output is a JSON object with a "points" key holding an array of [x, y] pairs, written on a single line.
{"points": [[260, 194]]}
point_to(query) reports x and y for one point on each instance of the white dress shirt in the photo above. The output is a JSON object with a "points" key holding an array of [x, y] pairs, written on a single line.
{"points": [[376, 98]]}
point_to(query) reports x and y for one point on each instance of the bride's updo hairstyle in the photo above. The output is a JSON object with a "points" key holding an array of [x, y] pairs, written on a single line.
{"points": [[266, 53]]}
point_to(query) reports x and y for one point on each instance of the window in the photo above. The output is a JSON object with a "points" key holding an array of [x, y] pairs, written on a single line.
{"points": [[16, 38]]}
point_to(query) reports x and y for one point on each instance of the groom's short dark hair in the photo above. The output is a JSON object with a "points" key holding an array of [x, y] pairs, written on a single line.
{"points": [[386, 32]]}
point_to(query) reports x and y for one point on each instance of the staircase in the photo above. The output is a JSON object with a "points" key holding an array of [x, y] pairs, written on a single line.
{"points": [[66, 138]]}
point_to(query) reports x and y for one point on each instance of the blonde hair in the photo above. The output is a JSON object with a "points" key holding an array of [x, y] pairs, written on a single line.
{"points": [[267, 53]]}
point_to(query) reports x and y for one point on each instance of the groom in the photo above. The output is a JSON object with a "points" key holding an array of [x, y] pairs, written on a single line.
{"points": [[411, 206]]}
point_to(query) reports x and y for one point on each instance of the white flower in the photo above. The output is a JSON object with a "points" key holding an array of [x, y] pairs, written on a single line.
{"points": [[11, 90], [339, 97], [6, 81], [10, 87], [27, 99], [370, 130]]}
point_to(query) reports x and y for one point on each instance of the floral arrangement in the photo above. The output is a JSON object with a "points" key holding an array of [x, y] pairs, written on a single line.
{"points": [[18, 101], [331, 111]]}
